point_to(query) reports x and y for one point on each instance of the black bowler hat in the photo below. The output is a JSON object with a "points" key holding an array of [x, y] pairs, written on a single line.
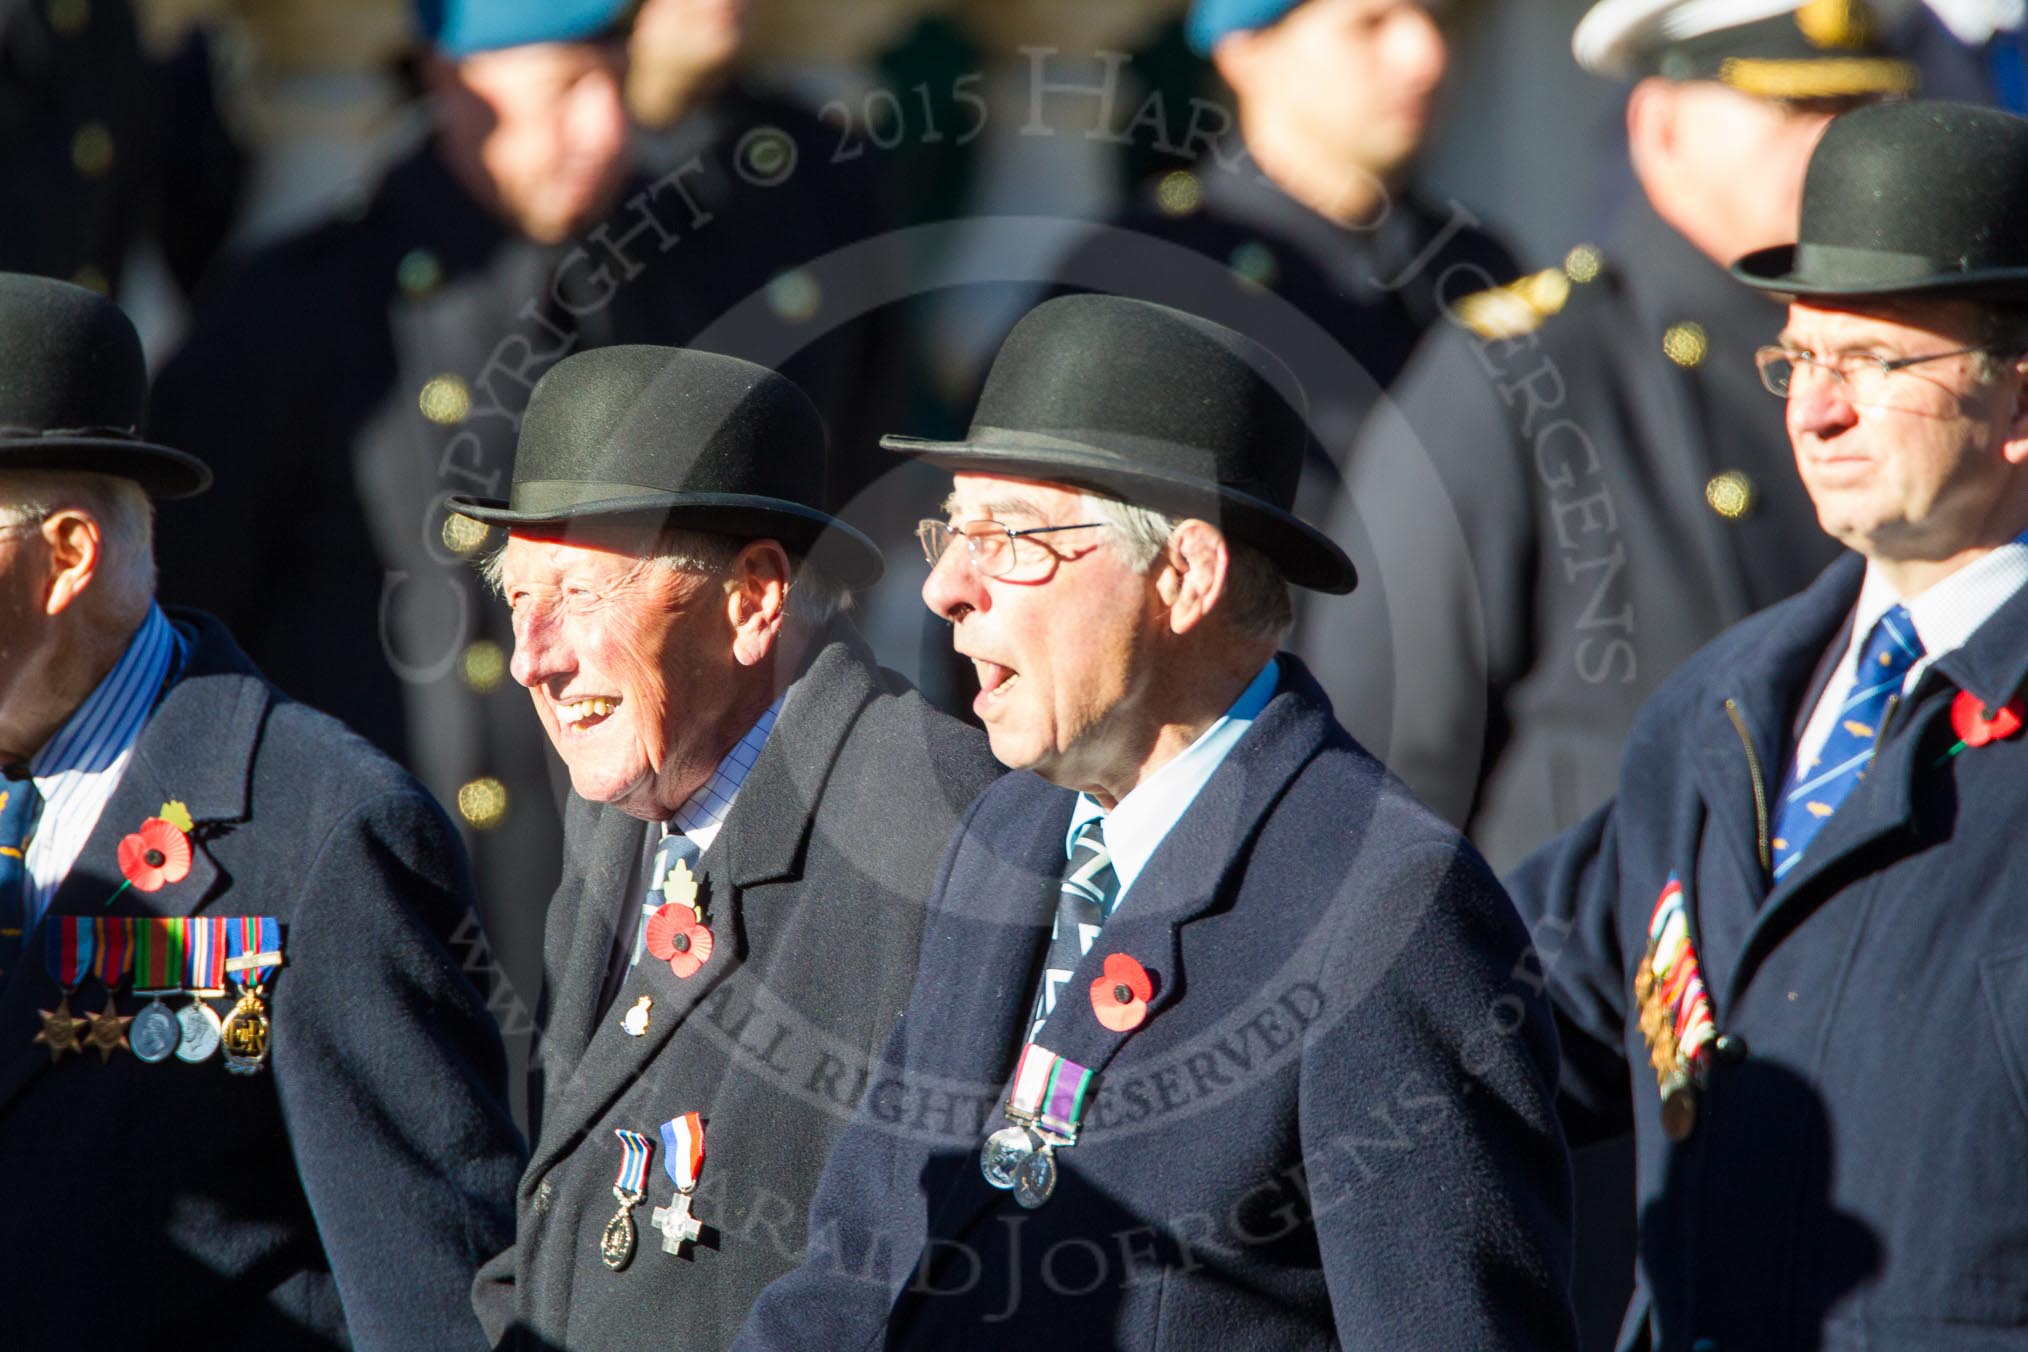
{"points": [[1905, 198], [690, 439], [1155, 407], [73, 388]]}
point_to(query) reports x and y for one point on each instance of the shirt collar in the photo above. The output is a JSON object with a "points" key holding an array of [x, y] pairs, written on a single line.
{"points": [[111, 718], [1948, 612], [1138, 822], [706, 810]]}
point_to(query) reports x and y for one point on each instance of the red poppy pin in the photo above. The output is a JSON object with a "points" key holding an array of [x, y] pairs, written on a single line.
{"points": [[1976, 724], [156, 854], [1120, 997], [677, 937]]}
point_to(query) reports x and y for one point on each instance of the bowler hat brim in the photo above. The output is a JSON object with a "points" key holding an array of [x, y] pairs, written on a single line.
{"points": [[163, 472], [843, 552], [1307, 557], [1805, 270]]}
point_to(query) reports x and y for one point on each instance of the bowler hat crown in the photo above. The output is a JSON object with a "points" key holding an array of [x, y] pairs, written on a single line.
{"points": [[1906, 198], [74, 387], [1158, 408], [695, 439]]}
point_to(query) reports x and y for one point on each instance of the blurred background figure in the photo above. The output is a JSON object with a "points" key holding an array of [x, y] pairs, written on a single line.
{"points": [[1975, 51]]}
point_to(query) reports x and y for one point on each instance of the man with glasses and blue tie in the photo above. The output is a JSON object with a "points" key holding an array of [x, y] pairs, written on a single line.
{"points": [[1797, 959], [1250, 1052]]}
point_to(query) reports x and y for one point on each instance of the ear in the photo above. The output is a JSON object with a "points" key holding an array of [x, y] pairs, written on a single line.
{"points": [[756, 594], [1652, 108], [2014, 449], [74, 553], [1193, 571]]}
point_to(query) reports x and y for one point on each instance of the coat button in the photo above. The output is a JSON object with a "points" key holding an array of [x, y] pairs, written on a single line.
{"points": [[1686, 344], [1730, 494], [540, 1206], [483, 803], [1179, 193], [795, 296], [1583, 263], [1731, 1048], [483, 666], [445, 399], [419, 272]]}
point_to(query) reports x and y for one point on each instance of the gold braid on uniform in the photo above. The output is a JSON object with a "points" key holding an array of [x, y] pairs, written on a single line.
{"points": [[1515, 309]]}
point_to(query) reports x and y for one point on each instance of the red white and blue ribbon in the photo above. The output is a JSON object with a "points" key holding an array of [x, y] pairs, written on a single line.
{"points": [[204, 953], [683, 1150], [113, 936], [69, 949], [253, 949], [634, 1152], [1680, 977], [1049, 1092]]}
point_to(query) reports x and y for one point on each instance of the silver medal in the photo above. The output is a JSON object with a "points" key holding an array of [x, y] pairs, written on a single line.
{"points": [[200, 1032], [1035, 1179], [1002, 1154], [155, 1032]]}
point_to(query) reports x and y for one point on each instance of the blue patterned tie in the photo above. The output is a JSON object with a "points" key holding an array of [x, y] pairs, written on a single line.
{"points": [[1090, 891], [20, 806], [1815, 790]]}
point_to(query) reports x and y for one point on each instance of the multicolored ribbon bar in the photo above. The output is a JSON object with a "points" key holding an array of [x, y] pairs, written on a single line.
{"points": [[69, 949], [158, 955], [1049, 1091], [253, 949], [683, 1150], [634, 1152], [113, 939], [1676, 1014], [204, 943]]}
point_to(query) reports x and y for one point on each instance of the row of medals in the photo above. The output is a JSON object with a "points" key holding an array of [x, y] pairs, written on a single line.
{"points": [[192, 1033], [1677, 1083], [1021, 1160]]}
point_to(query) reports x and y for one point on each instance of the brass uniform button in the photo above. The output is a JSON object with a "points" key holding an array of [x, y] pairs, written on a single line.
{"points": [[1583, 264], [464, 535], [483, 803], [445, 399], [1730, 494], [484, 665], [91, 150], [1179, 193], [1686, 344], [419, 272]]}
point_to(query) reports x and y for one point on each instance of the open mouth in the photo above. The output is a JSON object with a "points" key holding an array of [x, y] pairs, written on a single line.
{"points": [[583, 715], [994, 680]]}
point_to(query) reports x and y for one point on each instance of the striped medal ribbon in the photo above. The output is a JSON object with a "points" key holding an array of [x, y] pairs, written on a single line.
{"points": [[204, 945], [1043, 1111], [1675, 1011], [682, 1159], [67, 952], [253, 950], [158, 971], [616, 1241]]}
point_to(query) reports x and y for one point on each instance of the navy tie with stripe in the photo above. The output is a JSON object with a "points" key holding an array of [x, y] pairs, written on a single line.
{"points": [[1816, 790]]}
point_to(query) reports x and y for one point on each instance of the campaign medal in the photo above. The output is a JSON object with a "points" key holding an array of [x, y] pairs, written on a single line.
{"points": [[158, 971], [1044, 1109], [253, 952], [67, 951], [112, 959], [1675, 1012], [616, 1241], [204, 944], [682, 1158]]}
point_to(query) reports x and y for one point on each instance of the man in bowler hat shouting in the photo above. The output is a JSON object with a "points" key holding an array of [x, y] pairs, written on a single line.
{"points": [[1797, 965], [179, 840], [755, 819], [1241, 1034]]}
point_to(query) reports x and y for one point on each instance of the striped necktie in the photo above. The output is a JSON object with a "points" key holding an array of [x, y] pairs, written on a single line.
{"points": [[20, 806], [1090, 891], [1815, 790]]}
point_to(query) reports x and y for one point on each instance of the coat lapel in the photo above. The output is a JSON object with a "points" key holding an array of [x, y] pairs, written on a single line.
{"points": [[762, 841], [218, 706]]}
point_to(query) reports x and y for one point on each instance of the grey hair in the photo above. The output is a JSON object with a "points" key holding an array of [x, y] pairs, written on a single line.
{"points": [[1256, 594], [124, 582]]}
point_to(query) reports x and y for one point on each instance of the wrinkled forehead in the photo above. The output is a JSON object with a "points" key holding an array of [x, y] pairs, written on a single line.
{"points": [[533, 552], [1005, 498]]}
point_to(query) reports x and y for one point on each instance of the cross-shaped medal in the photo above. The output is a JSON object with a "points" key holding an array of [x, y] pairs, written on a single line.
{"points": [[677, 1225]]}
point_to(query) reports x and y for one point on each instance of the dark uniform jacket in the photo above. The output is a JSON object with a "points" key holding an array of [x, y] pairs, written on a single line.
{"points": [[1549, 523], [814, 893], [344, 1195], [344, 382], [1334, 1126], [1853, 1180]]}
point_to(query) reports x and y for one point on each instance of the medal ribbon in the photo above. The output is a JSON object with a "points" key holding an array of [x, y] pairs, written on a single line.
{"points": [[204, 944], [158, 955], [69, 951], [113, 938], [253, 949], [1679, 977], [634, 1152], [1049, 1091], [683, 1150]]}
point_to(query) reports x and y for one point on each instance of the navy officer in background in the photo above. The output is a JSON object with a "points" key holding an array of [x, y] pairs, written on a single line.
{"points": [[342, 1188], [1794, 960], [1233, 1042]]}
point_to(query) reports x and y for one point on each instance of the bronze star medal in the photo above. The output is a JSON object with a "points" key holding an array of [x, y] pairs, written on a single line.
{"points": [[107, 1030], [60, 1029]]}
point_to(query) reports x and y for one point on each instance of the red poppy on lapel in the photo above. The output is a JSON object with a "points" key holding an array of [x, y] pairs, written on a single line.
{"points": [[1976, 725], [1120, 997], [156, 854], [677, 938]]}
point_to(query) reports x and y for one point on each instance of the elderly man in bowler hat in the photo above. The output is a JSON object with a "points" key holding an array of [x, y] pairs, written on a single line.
{"points": [[1797, 960], [167, 817], [756, 817], [1248, 1050]]}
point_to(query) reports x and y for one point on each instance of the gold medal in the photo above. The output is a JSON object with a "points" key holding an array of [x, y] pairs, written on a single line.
{"points": [[61, 1030], [244, 1035]]}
